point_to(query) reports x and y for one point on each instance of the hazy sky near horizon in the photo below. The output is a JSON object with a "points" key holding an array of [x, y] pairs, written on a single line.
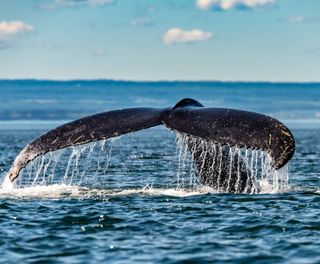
{"points": [[249, 40]]}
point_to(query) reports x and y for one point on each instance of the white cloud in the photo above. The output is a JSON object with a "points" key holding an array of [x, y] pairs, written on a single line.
{"points": [[9, 29], [295, 19], [98, 53], [74, 3], [99, 2], [174, 35], [229, 4], [140, 21]]}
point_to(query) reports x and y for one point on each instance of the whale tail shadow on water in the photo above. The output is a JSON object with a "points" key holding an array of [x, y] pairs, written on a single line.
{"points": [[224, 127]]}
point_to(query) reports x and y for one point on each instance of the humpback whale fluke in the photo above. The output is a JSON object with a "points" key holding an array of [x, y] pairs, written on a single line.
{"points": [[229, 127]]}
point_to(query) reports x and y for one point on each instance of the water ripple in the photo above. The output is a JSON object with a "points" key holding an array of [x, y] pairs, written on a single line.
{"points": [[152, 223]]}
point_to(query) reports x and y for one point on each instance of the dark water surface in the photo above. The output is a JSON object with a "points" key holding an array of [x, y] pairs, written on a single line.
{"points": [[132, 212]]}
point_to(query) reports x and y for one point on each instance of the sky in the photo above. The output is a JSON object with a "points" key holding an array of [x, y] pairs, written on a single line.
{"points": [[223, 40]]}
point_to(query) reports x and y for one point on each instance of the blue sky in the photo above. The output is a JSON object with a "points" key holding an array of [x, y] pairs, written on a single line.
{"points": [[249, 40]]}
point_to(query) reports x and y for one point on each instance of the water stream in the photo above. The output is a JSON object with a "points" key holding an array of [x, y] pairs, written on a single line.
{"points": [[108, 164]]}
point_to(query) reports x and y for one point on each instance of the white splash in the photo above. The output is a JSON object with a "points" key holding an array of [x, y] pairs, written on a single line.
{"points": [[77, 171], [166, 192], [51, 191], [57, 191], [277, 182], [7, 185]]}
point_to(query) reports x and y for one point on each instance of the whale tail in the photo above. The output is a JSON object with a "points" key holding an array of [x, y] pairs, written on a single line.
{"points": [[222, 126]]}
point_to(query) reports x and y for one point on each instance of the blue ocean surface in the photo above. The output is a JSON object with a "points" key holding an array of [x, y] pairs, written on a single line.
{"points": [[127, 200]]}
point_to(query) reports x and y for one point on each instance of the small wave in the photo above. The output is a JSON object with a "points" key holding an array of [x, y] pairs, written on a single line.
{"points": [[56, 191], [145, 100], [72, 191], [39, 101], [166, 192], [30, 124], [51, 191], [267, 188], [306, 123]]}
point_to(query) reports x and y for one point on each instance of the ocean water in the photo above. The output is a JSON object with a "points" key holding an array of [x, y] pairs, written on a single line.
{"points": [[126, 201]]}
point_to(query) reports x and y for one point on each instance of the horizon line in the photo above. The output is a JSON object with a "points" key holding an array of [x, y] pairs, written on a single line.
{"points": [[156, 81]]}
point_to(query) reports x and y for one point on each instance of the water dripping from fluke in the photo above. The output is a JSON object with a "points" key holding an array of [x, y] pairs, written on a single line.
{"points": [[227, 169], [81, 165], [201, 167]]}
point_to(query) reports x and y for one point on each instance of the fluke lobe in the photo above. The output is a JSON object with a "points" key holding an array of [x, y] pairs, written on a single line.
{"points": [[222, 126]]}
